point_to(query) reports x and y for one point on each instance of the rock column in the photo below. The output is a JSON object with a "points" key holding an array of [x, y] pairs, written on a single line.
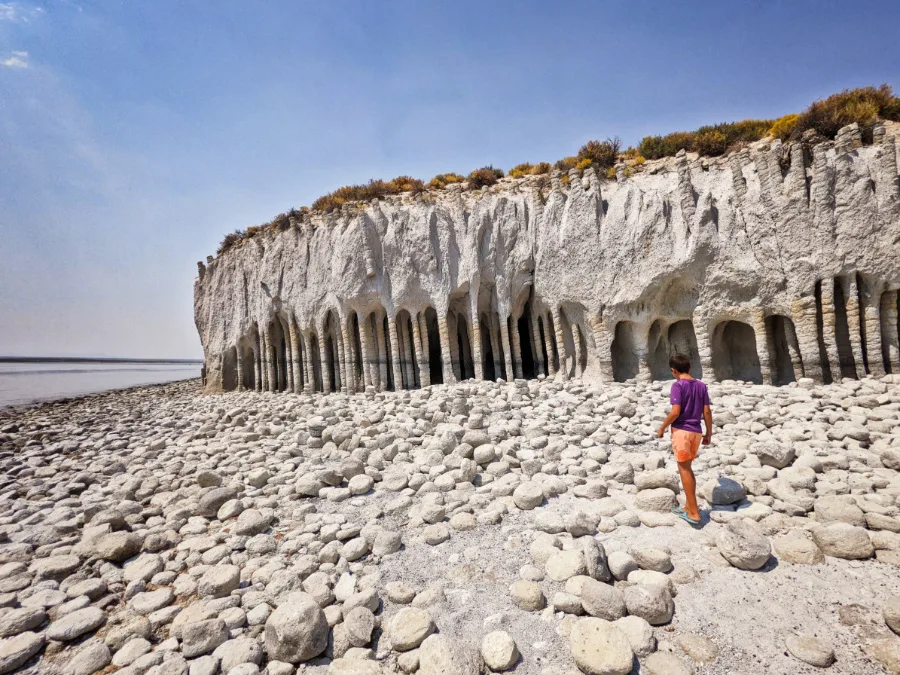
{"points": [[703, 333], [257, 371], [370, 379], [538, 352], [516, 347], [548, 339], [496, 351], [323, 361], [445, 348], [851, 300], [477, 356], [272, 360], [889, 333], [803, 312], [396, 365], [239, 386], [420, 337], [308, 370], [790, 337], [603, 338], [263, 361], [872, 317], [828, 323], [764, 347], [455, 356], [380, 354], [641, 346], [507, 349], [561, 344], [295, 348]]}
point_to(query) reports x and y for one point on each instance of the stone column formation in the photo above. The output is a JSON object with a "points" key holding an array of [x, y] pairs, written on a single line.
{"points": [[851, 300], [828, 325], [760, 239]]}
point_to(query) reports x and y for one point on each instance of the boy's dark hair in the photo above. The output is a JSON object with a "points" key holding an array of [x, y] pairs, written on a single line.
{"points": [[680, 363]]}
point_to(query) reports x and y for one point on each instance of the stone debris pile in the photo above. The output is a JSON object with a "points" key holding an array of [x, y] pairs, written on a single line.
{"points": [[484, 526]]}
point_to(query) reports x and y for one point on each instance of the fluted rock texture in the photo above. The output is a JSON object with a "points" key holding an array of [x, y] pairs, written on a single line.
{"points": [[770, 264]]}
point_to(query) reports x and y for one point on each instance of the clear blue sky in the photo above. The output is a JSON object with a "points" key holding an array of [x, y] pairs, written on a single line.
{"points": [[135, 134]]}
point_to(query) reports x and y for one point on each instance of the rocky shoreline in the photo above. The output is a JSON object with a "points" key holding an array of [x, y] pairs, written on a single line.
{"points": [[452, 529]]}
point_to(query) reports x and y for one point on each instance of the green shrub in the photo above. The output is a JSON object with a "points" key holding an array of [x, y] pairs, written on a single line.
{"points": [[486, 175], [602, 154], [783, 126], [442, 180], [863, 106]]}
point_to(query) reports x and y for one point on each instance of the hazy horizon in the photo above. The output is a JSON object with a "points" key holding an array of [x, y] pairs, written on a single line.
{"points": [[134, 136]]}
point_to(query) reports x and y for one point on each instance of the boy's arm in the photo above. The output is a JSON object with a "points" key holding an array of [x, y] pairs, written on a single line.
{"points": [[671, 417], [707, 417]]}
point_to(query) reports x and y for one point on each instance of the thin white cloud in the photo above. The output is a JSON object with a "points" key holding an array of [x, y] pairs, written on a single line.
{"points": [[17, 60], [17, 13]]}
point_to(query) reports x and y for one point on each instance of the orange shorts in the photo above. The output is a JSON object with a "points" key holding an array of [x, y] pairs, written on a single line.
{"points": [[685, 444]]}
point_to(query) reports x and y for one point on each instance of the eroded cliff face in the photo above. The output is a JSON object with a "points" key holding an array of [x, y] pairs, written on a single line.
{"points": [[769, 264]]}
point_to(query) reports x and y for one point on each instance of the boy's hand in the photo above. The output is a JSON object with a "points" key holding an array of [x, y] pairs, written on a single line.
{"points": [[659, 434], [707, 439]]}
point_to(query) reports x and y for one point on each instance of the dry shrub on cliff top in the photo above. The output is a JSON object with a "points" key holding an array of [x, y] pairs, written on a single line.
{"points": [[708, 140], [374, 189], [863, 106], [229, 241], [599, 154], [527, 169], [486, 175], [783, 126], [442, 180]]}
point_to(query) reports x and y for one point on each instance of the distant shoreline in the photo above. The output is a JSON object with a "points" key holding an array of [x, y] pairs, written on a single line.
{"points": [[79, 359]]}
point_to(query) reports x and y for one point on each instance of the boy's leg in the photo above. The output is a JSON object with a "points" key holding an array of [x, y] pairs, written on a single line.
{"points": [[690, 489]]}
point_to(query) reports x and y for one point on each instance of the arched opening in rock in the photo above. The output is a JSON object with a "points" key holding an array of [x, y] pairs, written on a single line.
{"points": [[435, 362], [842, 331], [679, 338], [333, 350], [248, 365], [276, 354], [315, 359], [543, 347], [487, 350], [523, 325], [658, 348], [625, 355], [466, 365], [861, 303], [782, 343], [734, 355], [409, 368], [229, 369], [357, 349], [301, 357]]}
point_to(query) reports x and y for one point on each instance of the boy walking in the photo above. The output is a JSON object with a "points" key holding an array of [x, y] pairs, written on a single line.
{"points": [[690, 403]]}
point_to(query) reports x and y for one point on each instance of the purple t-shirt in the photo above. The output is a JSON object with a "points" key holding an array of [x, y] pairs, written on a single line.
{"points": [[692, 396]]}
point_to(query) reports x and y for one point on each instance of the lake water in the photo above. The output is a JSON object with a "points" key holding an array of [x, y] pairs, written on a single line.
{"points": [[45, 380]]}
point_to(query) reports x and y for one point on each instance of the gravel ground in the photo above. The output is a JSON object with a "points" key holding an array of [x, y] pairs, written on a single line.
{"points": [[160, 530]]}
